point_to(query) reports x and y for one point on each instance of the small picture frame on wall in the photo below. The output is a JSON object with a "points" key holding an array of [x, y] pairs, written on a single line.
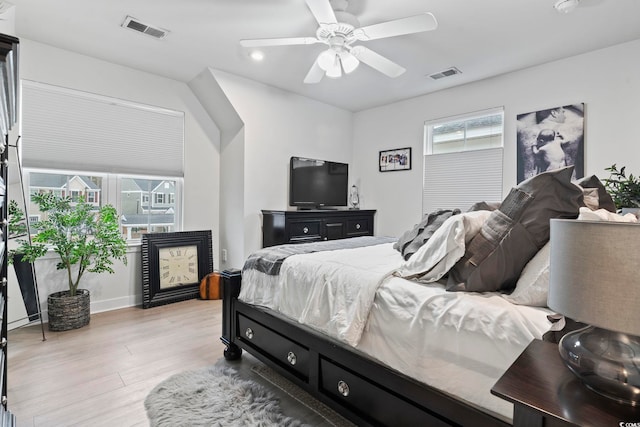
{"points": [[398, 159]]}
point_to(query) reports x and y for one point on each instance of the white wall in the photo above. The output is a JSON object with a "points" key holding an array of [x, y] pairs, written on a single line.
{"points": [[607, 81], [278, 125], [46, 64]]}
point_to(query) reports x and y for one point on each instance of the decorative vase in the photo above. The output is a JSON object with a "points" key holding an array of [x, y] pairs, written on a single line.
{"points": [[68, 312], [354, 198]]}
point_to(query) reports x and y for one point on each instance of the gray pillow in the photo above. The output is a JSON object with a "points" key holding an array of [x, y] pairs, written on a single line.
{"points": [[412, 240], [515, 232], [604, 198]]}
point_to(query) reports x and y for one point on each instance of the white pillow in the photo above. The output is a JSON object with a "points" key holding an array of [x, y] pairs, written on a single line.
{"points": [[587, 214], [532, 287], [445, 247]]}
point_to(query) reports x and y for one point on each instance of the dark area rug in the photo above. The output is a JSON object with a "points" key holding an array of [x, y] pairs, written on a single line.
{"points": [[245, 393]]}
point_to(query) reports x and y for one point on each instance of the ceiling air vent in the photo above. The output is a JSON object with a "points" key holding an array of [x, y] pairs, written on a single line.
{"points": [[134, 24], [446, 73]]}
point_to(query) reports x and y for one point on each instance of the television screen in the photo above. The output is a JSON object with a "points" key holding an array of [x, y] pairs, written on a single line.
{"points": [[318, 183]]}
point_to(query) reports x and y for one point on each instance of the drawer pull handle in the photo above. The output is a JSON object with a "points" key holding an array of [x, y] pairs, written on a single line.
{"points": [[343, 388], [249, 333], [357, 226], [291, 357], [305, 230]]}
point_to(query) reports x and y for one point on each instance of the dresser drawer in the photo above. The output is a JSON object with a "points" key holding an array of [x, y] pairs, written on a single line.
{"points": [[369, 400], [282, 350], [359, 227], [305, 230]]}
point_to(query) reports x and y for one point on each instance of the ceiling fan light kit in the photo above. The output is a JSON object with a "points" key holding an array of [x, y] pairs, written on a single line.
{"points": [[566, 6], [340, 30]]}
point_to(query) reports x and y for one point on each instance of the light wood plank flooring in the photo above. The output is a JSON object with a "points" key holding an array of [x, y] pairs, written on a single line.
{"points": [[99, 375]]}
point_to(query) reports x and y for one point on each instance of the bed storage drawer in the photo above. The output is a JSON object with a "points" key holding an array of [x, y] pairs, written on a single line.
{"points": [[359, 227], [282, 350], [369, 400]]}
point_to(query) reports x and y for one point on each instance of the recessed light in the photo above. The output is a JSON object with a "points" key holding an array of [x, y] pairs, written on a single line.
{"points": [[257, 55]]}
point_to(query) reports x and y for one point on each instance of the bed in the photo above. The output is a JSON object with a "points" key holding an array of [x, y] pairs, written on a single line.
{"points": [[387, 339]]}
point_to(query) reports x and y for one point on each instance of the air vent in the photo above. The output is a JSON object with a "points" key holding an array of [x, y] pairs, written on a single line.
{"points": [[135, 25], [446, 73]]}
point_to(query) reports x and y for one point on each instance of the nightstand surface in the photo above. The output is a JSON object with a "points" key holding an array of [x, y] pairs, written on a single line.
{"points": [[546, 393]]}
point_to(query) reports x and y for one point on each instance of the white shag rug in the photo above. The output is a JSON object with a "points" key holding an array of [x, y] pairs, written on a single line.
{"points": [[213, 396]]}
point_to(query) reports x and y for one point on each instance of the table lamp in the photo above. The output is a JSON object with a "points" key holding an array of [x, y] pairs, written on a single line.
{"points": [[595, 279]]}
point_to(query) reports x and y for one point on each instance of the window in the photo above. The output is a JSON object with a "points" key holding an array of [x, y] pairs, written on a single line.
{"points": [[129, 195], [463, 160], [134, 152]]}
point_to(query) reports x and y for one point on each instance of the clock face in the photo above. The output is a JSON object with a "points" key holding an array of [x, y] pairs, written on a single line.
{"points": [[178, 265]]}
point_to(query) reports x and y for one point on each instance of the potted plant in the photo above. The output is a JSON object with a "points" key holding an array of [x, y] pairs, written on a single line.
{"points": [[86, 239], [624, 190]]}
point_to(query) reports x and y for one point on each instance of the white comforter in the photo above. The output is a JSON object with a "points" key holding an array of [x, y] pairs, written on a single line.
{"points": [[330, 291]]}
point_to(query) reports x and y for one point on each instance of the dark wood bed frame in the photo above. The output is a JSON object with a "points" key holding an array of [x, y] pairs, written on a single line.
{"points": [[352, 383]]}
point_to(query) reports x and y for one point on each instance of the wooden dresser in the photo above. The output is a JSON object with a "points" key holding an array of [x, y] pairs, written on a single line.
{"points": [[279, 227]]}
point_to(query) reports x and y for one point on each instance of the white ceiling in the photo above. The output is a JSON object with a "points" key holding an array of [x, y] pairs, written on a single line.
{"points": [[482, 38]]}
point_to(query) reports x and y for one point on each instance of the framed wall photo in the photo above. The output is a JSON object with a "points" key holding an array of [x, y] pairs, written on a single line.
{"points": [[550, 139], [398, 159], [173, 265]]}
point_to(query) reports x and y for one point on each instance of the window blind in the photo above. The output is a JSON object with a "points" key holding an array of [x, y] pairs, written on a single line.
{"points": [[458, 180], [68, 129]]}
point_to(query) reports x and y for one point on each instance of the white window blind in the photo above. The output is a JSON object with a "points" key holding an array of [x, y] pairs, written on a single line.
{"points": [[458, 180], [68, 129]]}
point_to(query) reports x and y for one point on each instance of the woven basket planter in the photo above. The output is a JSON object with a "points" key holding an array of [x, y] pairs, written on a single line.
{"points": [[66, 312]]}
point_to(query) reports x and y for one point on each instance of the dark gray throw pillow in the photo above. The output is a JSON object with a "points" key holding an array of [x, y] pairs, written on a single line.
{"points": [[515, 232], [411, 240], [604, 198]]}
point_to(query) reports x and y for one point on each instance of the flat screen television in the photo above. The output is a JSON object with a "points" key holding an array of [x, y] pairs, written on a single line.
{"points": [[317, 184]]}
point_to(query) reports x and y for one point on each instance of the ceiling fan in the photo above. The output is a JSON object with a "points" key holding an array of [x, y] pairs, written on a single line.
{"points": [[340, 30]]}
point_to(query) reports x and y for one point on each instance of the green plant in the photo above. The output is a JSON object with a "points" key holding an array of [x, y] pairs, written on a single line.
{"points": [[624, 190], [85, 239]]}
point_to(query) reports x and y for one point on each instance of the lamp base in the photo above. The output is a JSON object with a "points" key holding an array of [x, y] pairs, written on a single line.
{"points": [[607, 362]]}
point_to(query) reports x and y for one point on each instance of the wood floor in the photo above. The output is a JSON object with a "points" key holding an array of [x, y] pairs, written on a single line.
{"points": [[99, 375]]}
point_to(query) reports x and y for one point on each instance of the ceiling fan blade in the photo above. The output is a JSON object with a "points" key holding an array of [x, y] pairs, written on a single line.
{"points": [[322, 11], [288, 41], [315, 74], [398, 27], [377, 61]]}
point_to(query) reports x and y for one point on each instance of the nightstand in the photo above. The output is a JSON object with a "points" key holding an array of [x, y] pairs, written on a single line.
{"points": [[545, 393]]}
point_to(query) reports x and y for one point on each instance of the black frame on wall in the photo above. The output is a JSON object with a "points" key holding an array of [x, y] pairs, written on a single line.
{"points": [[152, 293]]}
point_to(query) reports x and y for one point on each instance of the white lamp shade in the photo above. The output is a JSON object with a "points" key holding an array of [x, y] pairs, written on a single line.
{"points": [[349, 62], [595, 274], [327, 60]]}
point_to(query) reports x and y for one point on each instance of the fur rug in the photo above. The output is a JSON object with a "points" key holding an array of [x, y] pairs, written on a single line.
{"points": [[213, 396]]}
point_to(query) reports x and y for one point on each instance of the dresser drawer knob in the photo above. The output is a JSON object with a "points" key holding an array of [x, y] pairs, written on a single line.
{"points": [[305, 230], [357, 226], [343, 388], [249, 333], [291, 357]]}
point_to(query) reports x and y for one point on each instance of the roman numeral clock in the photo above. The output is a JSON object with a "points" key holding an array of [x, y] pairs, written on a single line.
{"points": [[173, 264]]}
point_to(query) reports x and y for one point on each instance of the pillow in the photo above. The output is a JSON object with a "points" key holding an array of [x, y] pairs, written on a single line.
{"points": [[532, 288], [587, 214], [604, 198], [591, 198], [515, 232], [444, 248], [413, 239]]}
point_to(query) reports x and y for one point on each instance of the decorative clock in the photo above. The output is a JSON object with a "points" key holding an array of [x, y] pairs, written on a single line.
{"points": [[173, 265]]}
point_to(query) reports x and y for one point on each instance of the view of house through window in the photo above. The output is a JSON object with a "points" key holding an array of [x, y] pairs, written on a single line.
{"points": [[148, 206], [145, 205]]}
